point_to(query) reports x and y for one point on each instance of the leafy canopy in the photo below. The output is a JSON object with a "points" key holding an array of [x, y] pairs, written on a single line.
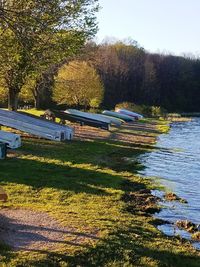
{"points": [[36, 34], [78, 84]]}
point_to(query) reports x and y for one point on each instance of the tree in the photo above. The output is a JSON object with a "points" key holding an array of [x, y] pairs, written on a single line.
{"points": [[150, 90], [78, 84], [36, 34], [121, 68]]}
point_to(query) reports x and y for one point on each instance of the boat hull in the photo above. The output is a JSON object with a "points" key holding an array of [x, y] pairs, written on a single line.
{"points": [[126, 118], [130, 113], [12, 140], [35, 126], [81, 120]]}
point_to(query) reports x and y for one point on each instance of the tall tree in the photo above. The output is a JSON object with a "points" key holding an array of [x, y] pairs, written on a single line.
{"points": [[78, 84], [121, 68], [36, 34]]}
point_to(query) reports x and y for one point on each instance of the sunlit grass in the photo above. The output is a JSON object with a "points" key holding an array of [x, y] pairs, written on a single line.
{"points": [[81, 184]]}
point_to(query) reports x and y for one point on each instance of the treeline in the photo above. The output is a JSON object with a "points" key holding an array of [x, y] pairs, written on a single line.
{"points": [[129, 73], [108, 74]]}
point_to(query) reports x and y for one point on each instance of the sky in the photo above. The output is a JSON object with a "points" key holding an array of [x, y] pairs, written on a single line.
{"points": [[171, 26]]}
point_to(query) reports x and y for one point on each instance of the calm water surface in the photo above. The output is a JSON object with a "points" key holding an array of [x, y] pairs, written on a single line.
{"points": [[176, 163]]}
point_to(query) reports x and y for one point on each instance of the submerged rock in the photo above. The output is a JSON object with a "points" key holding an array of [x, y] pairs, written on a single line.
{"points": [[174, 197], [187, 225], [157, 222], [151, 209], [142, 201]]}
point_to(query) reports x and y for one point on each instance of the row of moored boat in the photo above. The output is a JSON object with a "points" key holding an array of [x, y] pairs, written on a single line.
{"points": [[104, 120], [43, 128]]}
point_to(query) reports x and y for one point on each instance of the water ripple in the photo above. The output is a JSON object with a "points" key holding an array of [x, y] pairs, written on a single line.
{"points": [[176, 162]]}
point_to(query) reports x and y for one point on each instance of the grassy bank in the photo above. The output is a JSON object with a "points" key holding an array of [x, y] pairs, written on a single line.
{"points": [[86, 186]]}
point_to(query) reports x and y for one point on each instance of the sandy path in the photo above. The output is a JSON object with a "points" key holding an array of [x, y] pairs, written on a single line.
{"points": [[31, 230]]}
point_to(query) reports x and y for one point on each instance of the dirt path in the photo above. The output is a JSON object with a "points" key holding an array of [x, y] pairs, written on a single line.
{"points": [[31, 230], [139, 135]]}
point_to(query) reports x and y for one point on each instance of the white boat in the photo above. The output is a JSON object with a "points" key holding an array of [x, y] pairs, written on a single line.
{"points": [[12, 140], [35, 126], [129, 113], [94, 116], [118, 115], [68, 131], [114, 120]]}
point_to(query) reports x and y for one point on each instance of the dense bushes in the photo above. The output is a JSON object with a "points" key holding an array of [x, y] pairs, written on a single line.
{"points": [[149, 111]]}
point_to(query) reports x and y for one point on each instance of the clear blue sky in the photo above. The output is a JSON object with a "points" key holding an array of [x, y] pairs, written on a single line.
{"points": [[164, 25]]}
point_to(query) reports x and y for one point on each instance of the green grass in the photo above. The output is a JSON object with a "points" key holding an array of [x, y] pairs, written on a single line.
{"points": [[81, 184]]}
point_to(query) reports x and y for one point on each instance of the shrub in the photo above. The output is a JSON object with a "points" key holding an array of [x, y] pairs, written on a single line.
{"points": [[149, 111]]}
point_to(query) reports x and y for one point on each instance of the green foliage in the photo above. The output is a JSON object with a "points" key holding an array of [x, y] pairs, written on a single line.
{"points": [[131, 74], [131, 106], [3, 95], [156, 111], [36, 34], [95, 102], [26, 94], [78, 84], [149, 111]]}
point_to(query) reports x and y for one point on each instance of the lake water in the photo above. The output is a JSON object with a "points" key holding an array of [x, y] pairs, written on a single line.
{"points": [[176, 164]]}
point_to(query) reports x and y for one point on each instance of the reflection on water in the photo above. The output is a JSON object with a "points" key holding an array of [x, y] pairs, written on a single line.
{"points": [[176, 162]]}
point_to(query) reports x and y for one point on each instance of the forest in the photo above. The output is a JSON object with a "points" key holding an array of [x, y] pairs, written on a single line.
{"points": [[126, 72], [77, 72]]}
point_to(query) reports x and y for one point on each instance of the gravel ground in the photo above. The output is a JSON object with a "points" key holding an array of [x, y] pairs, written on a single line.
{"points": [[31, 230]]}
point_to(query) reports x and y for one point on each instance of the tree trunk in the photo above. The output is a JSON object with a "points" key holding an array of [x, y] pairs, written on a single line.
{"points": [[12, 99], [37, 101]]}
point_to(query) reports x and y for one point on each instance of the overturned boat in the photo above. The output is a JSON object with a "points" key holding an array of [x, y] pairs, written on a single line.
{"points": [[68, 131], [35, 126], [124, 117], [135, 115], [94, 116], [63, 115], [11, 140]]}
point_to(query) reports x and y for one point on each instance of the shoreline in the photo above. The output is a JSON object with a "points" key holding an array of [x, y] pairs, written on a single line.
{"points": [[186, 228], [94, 203]]}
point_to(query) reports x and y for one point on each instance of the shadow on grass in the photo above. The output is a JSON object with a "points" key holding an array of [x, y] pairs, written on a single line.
{"points": [[48, 175], [122, 248], [103, 154], [126, 248]]}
